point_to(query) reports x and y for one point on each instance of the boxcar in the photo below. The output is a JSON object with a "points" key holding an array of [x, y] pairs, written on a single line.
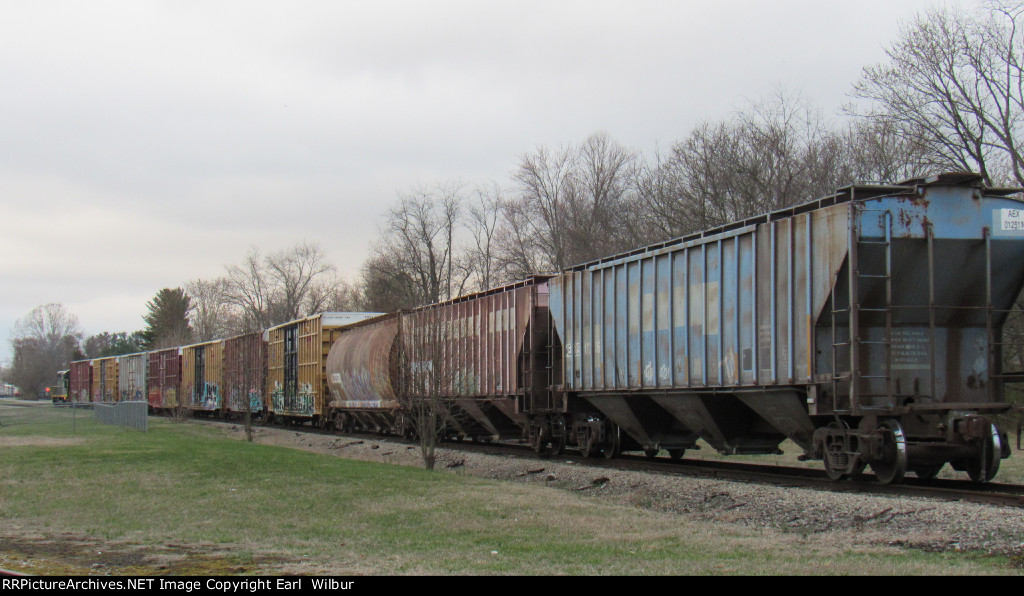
{"points": [[164, 378], [296, 357], [865, 326], [245, 365], [80, 381], [104, 380], [202, 376], [131, 376]]}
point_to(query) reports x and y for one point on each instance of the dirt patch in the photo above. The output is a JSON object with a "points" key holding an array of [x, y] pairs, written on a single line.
{"points": [[75, 554]]}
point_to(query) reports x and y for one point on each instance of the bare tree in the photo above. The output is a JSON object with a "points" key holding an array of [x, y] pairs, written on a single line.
{"points": [[280, 287], [43, 342], [519, 246], [303, 280], [345, 297], [211, 311], [572, 202], [387, 287], [251, 290], [876, 152], [418, 249], [484, 221], [425, 385], [953, 85], [772, 154]]}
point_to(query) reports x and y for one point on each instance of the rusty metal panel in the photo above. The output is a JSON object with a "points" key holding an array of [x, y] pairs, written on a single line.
{"points": [[362, 366], [131, 376], [164, 378], [80, 381], [471, 346], [202, 375], [245, 366]]}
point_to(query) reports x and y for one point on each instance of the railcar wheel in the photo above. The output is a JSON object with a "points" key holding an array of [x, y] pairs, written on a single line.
{"points": [[651, 453], [614, 448], [676, 454], [892, 466], [557, 435], [984, 466]]}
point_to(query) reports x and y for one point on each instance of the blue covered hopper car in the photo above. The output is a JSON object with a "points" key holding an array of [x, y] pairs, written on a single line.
{"points": [[865, 326]]}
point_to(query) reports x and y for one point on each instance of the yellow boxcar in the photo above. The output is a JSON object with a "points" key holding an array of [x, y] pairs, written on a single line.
{"points": [[296, 358], [202, 376], [104, 380]]}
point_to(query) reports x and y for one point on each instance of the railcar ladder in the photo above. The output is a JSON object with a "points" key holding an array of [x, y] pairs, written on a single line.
{"points": [[537, 364], [854, 309]]}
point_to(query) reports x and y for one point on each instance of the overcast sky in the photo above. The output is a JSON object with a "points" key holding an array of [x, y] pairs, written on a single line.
{"points": [[146, 143]]}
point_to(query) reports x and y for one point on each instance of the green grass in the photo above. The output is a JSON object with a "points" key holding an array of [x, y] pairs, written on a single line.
{"points": [[184, 484]]}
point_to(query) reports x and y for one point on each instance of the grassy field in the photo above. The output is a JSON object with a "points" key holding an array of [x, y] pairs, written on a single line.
{"points": [[225, 506]]}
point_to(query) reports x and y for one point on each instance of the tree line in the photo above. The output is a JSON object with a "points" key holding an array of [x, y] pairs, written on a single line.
{"points": [[948, 96]]}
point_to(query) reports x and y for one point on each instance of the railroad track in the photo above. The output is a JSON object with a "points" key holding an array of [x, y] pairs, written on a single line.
{"points": [[1004, 495], [996, 494]]}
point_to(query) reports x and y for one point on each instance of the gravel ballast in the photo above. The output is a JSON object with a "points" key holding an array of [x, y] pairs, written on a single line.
{"points": [[915, 522]]}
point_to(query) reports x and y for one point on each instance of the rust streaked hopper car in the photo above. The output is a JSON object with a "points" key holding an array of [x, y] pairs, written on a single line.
{"points": [[485, 352], [296, 356]]}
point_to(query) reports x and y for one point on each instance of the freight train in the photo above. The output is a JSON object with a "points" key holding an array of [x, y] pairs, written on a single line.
{"points": [[866, 327]]}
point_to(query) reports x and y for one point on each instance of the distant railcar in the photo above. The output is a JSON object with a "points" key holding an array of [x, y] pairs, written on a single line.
{"points": [[104, 380], [59, 390], [80, 381], [296, 357], [245, 373], [202, 376], [163, 379], [131, 376]]}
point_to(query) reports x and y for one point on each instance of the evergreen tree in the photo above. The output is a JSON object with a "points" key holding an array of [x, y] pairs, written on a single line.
{"points": [[167, 319]]}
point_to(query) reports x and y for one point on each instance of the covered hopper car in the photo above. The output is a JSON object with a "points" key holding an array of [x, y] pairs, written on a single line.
{"points": [[866, 327]]}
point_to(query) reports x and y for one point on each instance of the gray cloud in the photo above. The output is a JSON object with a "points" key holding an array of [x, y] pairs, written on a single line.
{"points": [[148, 143]]}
